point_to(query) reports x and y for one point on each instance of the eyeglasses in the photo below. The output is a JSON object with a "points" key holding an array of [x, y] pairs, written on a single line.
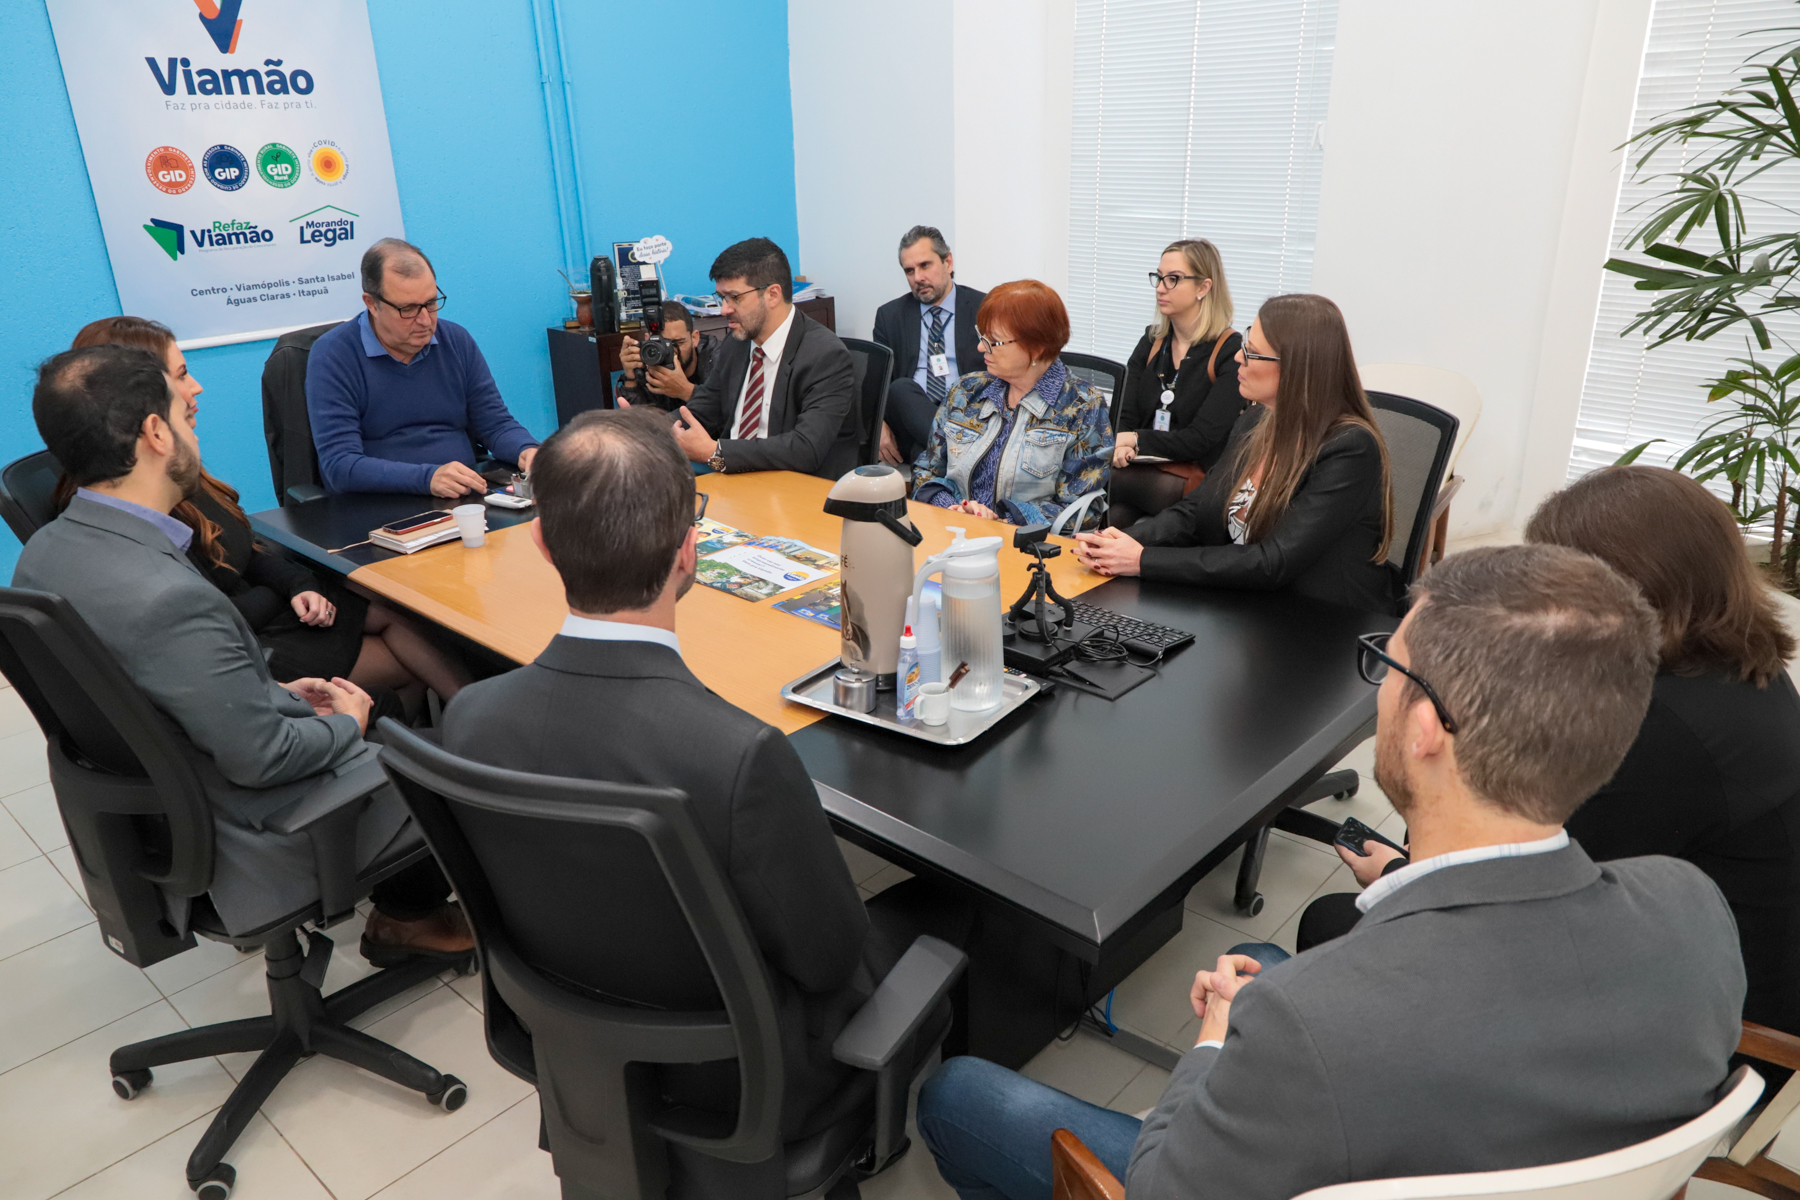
{"points": [[1172, 280], [700, 499], [992, 343], [410, 312], [737, 297], [1252, 356], [1373, 663]]}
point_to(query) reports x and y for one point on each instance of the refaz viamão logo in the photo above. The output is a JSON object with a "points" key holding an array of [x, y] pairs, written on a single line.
{"points": [[220, 235], [169, 235]]}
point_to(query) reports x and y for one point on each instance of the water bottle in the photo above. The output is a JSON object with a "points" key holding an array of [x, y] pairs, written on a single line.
{"points": [[970, 569]]}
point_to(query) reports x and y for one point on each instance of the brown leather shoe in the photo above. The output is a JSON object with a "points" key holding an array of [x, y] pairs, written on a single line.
{"points": [[444, 934]]}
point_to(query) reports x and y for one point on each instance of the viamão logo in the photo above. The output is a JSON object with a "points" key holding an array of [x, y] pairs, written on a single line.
{"points": [[227, 235], [220, 20]]}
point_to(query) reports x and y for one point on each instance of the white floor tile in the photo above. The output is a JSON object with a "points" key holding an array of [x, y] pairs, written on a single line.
{"points": [[15, 717], [1291, 872], [1085, 1066], [863, 865], [205, 960], [469, 988], [37, 904], [23, 762], [499, 1161], [1340, 880], [1142, 1092], [359, 1133], [92, 987], [1369, 805], [267, 1169], [35, 810], [15, 844], [1361, 759], [63, 859], [1153, 1000], [59, 1119]]}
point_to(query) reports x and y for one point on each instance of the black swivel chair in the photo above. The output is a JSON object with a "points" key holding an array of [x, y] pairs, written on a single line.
{"points": [[874, 363], [539, 864], [141, 829], [1419, 439], [1103, 373], [293, 462], [28, 493]]}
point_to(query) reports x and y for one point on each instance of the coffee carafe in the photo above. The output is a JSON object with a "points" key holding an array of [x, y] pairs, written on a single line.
{"points": [[877, 572]]}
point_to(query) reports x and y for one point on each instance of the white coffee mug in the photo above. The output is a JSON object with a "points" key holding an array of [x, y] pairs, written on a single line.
{"points": [[933, 705], [471, 522]]}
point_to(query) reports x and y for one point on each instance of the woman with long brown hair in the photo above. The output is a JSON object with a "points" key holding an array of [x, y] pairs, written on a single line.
{"points": [[308, 630], [1299, 500]]}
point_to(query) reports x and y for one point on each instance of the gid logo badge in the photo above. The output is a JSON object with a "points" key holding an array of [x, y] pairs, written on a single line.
{"points": [[327, 162], [170, 170], [278, 166], [225, 168]]}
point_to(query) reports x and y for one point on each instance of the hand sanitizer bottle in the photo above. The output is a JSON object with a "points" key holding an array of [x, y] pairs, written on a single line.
{"points": [[906, 670]]}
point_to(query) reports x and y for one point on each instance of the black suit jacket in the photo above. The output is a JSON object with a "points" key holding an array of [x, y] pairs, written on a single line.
{"points": [[1321, 547], [1714, 777], [897, 328], [631, 712], [812, 417]]}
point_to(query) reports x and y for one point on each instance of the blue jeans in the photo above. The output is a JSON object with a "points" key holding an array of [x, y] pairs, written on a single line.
{"points": [[989, 1128]]}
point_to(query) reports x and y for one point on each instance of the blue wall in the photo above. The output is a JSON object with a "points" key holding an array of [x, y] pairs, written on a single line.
{"points": [[471, 152]]}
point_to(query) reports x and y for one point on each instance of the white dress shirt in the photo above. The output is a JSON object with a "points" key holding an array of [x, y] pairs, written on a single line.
{"points": [[772, 347], [922, 369], [618, 631], [1387, 885]]}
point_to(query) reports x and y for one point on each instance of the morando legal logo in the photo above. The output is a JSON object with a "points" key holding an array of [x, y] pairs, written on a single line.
{"points": [[326, 226], [220, 235]]}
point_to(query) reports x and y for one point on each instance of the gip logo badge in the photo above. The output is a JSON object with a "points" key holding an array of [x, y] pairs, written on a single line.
{"points": [[278, 166], [170, 170], [169, 235], [225, 168], [220, 19], [327, 162]]}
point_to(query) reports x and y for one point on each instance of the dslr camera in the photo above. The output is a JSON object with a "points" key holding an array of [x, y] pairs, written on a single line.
{"points": [[655, 350]]}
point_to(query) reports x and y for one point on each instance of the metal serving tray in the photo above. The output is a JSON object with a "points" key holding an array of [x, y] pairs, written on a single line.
{"points": [[813, 689]]}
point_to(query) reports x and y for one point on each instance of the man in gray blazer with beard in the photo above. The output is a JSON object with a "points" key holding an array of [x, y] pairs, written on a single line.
{"points": [[1505, 1002], [116, 555]]}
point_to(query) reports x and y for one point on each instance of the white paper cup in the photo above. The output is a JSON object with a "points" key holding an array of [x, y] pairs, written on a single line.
{"points": [[933, 704], [471, 522]]}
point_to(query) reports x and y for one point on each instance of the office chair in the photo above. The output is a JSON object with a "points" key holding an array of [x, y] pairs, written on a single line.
{"points": [[874, 363], [1657, 1169], [552, 871], [1419, 439], [1103, 373], [1755, 1158], [27, 493], [141, 829], [293, 462]]}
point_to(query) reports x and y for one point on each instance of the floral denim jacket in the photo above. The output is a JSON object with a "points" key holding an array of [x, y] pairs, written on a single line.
{"points": [[1060, 449]]}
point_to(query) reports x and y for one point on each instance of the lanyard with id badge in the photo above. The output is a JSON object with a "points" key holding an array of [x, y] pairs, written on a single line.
{"points": [[1162, 422]]}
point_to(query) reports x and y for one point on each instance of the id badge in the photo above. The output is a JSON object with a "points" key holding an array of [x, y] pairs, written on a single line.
{"points": [[939, 365], [1162, 420]]}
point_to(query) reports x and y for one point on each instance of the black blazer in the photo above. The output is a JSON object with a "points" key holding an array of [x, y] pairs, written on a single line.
{"points": [[1321, 548], [631, 712], [812, 417], [1204, 411], [897, 328], [259, 584], [1714, 778]]}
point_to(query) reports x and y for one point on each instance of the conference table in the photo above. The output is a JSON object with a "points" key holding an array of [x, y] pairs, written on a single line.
{"points": [[1076, 826]]}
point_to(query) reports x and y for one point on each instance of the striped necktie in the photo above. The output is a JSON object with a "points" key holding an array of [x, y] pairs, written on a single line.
{"points": [[936, 386], [750, 420]]}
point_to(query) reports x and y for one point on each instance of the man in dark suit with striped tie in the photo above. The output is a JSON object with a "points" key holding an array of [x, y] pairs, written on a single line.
{"points": [[931, 331], [781, 394]]}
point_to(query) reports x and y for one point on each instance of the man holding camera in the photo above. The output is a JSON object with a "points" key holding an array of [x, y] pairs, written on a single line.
{"points": [[781, 394], [668, 385]]}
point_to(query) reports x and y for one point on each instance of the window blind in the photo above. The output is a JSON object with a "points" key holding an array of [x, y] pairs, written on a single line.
{"points": [[1192, 120], [1632, 393]]}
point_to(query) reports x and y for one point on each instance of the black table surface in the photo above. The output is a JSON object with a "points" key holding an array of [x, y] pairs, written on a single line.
{"points": [[312, 530], [1083, 812]]}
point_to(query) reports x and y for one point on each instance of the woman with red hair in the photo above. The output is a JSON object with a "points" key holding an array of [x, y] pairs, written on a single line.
{"points": [[1023, 439]]}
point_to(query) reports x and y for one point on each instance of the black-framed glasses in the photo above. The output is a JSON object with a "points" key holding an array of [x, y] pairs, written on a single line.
{"points": [[700, 499], [410, 312], [992, 343], [737, 297], [1172, 280], [1373, 663], [1252, 356]]}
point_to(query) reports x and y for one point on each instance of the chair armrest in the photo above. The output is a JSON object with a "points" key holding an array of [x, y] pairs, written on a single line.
{"points": [[1441, 505], [329, 797], [1077, 1172], [305, 493], [1075, 513], [1770, 1045], [900, 1005]]}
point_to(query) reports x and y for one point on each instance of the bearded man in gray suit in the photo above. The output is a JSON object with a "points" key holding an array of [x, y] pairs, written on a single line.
{"points": [[118, 557]]}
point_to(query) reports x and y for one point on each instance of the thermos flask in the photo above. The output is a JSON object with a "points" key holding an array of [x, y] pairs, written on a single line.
{"points": [[877, 571]]}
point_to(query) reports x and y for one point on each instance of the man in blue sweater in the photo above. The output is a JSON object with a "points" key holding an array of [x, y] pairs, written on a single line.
{"points": [[396, 396]]}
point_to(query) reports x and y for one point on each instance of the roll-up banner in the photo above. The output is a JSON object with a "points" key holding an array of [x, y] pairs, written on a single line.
{"points": [[238, 152]]}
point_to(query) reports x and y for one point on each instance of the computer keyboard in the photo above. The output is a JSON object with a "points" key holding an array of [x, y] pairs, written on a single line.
{"points": [[1130, 629]]}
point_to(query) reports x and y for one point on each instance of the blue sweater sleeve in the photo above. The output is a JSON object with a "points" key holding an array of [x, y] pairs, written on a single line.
{"points": [[489, 417], [335, 396]]}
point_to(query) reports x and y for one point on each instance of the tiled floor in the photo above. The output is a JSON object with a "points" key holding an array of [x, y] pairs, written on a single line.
{"points": [[333, 1132]]}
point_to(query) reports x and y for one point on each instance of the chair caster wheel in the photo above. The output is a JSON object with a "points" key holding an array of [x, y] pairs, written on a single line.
{"points": [[127, 1084], [452, 1095], [1348, 793], [469, 966], [1255, 907], [217, 1184]]}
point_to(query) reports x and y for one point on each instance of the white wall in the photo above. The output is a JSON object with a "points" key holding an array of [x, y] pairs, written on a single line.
{"points": [[1467, 198], [923, 112]]}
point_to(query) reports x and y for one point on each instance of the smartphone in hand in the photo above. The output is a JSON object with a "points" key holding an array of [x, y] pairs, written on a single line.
{"points": [[1353, 834]]}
